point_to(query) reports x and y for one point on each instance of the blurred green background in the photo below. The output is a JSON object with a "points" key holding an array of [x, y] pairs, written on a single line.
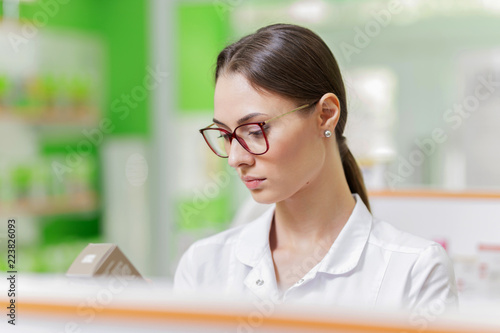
{"points": [[56, 217]]}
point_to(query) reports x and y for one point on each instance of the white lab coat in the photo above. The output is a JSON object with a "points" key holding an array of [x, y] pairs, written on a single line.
{"points": [[371, 265]]}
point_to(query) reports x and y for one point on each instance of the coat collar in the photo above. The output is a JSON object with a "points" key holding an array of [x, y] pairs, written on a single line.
{"points": [[343, 256], [347, 249], [253, 241]]}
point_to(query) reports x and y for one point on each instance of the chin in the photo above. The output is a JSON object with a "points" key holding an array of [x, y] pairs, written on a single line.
{"points": [[262, 197], [267, 197]]}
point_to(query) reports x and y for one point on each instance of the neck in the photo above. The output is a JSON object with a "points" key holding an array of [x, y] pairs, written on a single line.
{"points": [[314, 215]]}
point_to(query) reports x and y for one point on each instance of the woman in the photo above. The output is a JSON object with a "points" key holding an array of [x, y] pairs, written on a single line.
{"points": [[279, 117]]}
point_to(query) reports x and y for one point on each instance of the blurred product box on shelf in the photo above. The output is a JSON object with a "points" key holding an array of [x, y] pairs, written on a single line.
{"points": [[478, 276], [489, 270], [40, 87], [466, 274], [102, 260], [48, 98], [32, 186]]}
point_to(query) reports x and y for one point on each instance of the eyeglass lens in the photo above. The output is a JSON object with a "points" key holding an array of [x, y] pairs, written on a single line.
{"points": [[250, 136]]}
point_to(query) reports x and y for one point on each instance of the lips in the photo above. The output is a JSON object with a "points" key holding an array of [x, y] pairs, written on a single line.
{"points": [[252, 182]]}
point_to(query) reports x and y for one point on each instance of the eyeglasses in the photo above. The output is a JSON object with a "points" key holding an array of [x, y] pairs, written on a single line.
{"points": [[251, 136]]}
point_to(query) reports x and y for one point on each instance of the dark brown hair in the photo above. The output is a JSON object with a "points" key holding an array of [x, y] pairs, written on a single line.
{"points": [[294, 62]]}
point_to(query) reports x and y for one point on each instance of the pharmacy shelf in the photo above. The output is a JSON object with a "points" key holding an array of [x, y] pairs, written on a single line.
{"points": [[85, 202], [53, 120], [444, 194]]}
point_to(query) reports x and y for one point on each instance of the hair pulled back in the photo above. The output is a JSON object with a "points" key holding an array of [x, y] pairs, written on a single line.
{"points": [[294, 62]]}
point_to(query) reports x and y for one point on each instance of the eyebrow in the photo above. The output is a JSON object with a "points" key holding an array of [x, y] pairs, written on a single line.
{"points": [[241, 120]]}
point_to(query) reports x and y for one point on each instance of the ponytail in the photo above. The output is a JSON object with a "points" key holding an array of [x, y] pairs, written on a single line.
{"points": [[352, 171]]}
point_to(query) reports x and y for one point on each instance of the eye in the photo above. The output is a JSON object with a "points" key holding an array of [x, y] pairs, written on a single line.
{"points": [[224, 136], [255, 133], [266, 129], [257, 130]]}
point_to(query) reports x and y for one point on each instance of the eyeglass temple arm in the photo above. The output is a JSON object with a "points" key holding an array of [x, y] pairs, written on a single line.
{"points": [[297, 109], [212, 124], [277, 117]]}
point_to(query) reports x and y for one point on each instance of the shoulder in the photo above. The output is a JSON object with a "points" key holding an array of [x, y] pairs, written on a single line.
{"points": [[420, 256], [223, 238], [424, 264], [389, 238], [212, 246], [205, 260]]}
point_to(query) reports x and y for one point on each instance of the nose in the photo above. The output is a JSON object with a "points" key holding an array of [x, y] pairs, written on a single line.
{"points": [[238, 155]]}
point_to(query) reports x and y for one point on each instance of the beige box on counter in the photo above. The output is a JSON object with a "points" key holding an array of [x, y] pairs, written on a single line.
{"points": [[102, 260]]}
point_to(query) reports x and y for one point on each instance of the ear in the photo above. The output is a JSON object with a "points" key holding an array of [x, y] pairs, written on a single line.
{"points": [[329, 112]]}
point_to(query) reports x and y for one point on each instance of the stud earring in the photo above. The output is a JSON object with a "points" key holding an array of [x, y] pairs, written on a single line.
{"points": [[328, 133]]}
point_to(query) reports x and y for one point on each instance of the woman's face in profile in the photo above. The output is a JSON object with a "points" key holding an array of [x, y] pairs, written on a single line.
{"points": [[296, 153]]}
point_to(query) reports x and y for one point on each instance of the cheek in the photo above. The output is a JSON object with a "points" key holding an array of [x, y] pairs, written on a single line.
{"points": [[290, 164], [297, 157]]}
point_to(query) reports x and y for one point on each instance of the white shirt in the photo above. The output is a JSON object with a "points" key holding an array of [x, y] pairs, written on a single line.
{"points": [[370, 264]]}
